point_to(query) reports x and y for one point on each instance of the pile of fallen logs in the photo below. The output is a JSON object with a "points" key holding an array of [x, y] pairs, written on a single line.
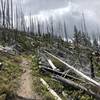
{"points": [[85, 83]]}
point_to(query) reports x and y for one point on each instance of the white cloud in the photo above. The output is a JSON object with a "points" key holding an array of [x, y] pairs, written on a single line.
{"points": [[71, 11]]}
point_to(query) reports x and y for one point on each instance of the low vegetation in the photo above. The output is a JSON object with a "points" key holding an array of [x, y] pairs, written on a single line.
{"points": [[9, 75]]}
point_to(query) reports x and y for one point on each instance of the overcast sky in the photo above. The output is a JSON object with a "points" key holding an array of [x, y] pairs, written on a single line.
{"points": [[70, 9]]}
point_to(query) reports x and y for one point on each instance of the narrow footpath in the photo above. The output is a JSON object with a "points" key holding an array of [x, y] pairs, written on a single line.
{"points": [[25, 89]]}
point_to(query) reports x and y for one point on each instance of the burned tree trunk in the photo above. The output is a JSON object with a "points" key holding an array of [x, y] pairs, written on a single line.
{"points": [[1, 65], [92, 69], [91, 65]]}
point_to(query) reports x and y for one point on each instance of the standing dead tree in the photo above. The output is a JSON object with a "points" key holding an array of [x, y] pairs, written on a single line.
{"points": [[12, 14], [3, 6], [0, 17], [39, 27], [31, 25], [17, 17], [52, 27], [8, 14], [65, 31], [23, 23], [84, 24]]}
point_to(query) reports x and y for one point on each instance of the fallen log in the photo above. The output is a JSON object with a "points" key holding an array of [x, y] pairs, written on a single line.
{"points": [[56, 72], [76, 86], [50, 90], [63, 73], [75, 70], [51, 70], [52, 65]]}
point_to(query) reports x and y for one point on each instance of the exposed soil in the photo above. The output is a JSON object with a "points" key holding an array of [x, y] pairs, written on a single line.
{"points": [[25, 89]]}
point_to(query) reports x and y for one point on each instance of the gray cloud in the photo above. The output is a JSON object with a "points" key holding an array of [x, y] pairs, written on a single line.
{"points": [[71, 10], [35, 6]]}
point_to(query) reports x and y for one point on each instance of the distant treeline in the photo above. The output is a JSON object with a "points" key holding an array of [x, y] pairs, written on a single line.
{"points": [[12, 17]]}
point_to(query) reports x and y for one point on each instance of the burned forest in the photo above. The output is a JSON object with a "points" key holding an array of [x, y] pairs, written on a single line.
{"points": [[49, 52]]}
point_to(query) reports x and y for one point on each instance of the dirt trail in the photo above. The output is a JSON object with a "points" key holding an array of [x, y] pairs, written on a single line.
{"points": [[25, 89]]}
